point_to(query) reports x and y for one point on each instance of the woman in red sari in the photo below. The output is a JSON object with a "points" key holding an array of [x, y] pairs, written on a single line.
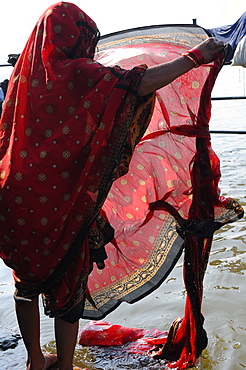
{"points": [[66, 135]]}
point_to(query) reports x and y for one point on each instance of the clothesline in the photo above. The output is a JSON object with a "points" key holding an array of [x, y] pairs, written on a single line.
{"points": [[228, 98], [227, 132]]}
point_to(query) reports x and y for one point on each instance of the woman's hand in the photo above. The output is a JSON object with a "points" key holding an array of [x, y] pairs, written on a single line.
{"points": [[210, 49]]}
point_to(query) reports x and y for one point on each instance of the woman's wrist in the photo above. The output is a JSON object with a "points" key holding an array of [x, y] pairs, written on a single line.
{"points": [[196, 56], [190, 57]]}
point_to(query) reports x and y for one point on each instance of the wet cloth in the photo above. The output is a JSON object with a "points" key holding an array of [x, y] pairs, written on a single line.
{"points": [[169, 201], [65, 136], [101, 333]]}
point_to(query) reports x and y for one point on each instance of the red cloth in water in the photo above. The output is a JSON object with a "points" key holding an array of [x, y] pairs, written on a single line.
{"points": [[101, 333]]}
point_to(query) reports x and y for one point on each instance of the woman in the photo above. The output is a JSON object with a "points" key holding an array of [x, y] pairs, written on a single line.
{"points": [[66, 136]]}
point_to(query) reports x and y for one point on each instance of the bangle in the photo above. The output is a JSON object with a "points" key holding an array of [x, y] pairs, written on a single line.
{"points": [[196, 56], [187, 55]]}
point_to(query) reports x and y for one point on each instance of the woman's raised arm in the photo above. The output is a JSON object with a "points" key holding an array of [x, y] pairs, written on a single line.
{"points": [[161, 75]]}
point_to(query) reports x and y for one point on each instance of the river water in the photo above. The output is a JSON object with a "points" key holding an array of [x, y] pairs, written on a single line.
{"points": [[224, 285]]}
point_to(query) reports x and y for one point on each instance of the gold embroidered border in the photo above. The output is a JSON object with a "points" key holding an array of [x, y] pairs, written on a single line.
{"points": [[137, 279]]}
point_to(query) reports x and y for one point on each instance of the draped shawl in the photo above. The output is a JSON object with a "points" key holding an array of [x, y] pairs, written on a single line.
{"points": [[65, 136]]}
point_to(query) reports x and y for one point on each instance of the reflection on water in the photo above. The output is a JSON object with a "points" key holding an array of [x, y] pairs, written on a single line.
{"points": [[224, 284]]}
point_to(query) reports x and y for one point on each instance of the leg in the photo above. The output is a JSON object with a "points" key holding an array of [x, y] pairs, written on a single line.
{"points": [[66, 338], [29, 324]]}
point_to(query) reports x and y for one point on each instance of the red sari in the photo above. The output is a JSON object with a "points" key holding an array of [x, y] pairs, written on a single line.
{"points": [[65, 136]]}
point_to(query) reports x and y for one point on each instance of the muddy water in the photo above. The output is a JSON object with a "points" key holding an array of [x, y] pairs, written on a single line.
{"points": [[224, 285]]}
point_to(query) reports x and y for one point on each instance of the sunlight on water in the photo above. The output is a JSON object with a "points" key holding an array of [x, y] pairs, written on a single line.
{"points": [[224, 285]]}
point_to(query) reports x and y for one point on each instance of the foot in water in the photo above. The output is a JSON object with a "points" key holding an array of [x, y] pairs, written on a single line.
{"points": [[49, 360]]}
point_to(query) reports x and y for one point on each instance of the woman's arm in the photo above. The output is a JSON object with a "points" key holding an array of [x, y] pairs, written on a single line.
{"points": [[161, 75]]}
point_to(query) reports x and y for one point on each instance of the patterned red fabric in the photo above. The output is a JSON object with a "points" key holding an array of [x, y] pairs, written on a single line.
{"points": [[172, 180], [161, 169], [64, 130], [101, 333]]}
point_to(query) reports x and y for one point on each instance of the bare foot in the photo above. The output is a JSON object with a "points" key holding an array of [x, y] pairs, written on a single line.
{"points": [[49, 360]]}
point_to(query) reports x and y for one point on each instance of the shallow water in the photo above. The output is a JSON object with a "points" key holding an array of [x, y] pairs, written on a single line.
{"points": [[224, 285]]}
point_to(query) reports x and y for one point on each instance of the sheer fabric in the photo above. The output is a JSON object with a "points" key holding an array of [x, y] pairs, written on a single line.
{"points": [[169, 199]]}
